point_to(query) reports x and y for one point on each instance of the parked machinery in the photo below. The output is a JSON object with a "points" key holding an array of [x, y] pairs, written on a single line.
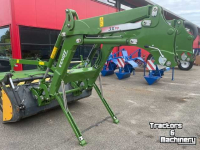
{"points": [[155, 72], [57, 85], [125, 63]]}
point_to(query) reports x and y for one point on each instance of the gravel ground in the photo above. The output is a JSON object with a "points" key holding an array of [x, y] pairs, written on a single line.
{"points": [[133, 101]]}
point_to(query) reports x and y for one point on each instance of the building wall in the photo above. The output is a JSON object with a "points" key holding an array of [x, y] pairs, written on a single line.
{"points": [[5, 12], [196, 43], [48, 14], [51, 13]]}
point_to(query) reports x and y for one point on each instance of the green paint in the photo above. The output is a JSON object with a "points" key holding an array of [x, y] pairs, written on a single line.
{"points": [[184, 41], [77, 32]]}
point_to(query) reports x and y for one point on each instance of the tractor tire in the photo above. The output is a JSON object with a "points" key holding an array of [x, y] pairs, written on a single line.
{"points": [[182, 66], [1, 109], [186, 65], [192, 27], [150, 57], [1, 103]]}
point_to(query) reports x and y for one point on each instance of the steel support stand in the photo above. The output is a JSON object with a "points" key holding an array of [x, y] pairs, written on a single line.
{"points": [[100, 83], [115, 120], [70, 119], [172, 73]]}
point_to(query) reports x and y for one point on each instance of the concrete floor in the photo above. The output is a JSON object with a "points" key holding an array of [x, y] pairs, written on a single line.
{"points": [[135, 103]]}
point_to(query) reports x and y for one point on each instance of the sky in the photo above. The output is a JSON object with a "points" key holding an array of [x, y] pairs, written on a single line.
{"points": [[187, 9], [2, 32]]}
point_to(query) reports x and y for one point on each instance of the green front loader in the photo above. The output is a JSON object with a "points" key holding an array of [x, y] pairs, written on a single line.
{"points": [[186, 34], [26, 93]]}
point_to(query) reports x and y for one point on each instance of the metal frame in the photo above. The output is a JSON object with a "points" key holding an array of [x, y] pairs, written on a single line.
{"points": [[75, 32]]}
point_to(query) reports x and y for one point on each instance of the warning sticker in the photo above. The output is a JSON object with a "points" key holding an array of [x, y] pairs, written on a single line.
{"points": [[101, 21], [17, 60], [53, 54], [41, 63]]}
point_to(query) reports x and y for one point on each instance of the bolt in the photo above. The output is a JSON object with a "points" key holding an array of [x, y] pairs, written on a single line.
{"points": [[133, 41], [63, 34], [188, 59], [67, 10], [68, 25], [80, 138], [168, 63], [78, 40]]}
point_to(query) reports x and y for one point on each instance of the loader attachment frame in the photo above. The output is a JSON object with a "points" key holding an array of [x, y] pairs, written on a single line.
{"points": [[184, 50], [144, 26]]}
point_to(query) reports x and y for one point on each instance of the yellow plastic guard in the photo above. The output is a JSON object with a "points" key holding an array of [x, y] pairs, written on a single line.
{"points": [[101, 21], [53, 54], [41, 63], [7, 107]]}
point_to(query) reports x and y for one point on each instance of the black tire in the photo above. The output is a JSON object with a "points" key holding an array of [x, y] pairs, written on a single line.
{"points": [[150, 57], [180, 66], [192, 27], [1, 102], [186, 68], [1, 109]]}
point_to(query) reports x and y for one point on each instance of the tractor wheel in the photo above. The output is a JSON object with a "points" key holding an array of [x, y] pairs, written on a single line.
{"points": [[128, 68], [192, 27], [186, 65], [150, 57], [1, 103]]}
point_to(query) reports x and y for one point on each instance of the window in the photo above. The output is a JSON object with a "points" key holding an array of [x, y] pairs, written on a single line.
{"points": [[108, 2], [38, 43], [5, 49]]}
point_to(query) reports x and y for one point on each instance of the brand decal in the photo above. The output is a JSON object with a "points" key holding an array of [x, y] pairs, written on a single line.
{"points": [[115, 28], [63, 58]]}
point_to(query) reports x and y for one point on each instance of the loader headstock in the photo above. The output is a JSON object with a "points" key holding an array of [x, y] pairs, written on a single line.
{"points": [[184, 40], [144, 26]]}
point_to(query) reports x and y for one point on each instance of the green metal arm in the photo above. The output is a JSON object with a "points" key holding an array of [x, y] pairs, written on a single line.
{"points": [[137, 27], [144, 26], [184, 50], [14, 62]]}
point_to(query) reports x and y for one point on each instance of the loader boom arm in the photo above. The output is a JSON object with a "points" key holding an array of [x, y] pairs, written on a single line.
{"points": [[137, 27], [144, 26]]}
